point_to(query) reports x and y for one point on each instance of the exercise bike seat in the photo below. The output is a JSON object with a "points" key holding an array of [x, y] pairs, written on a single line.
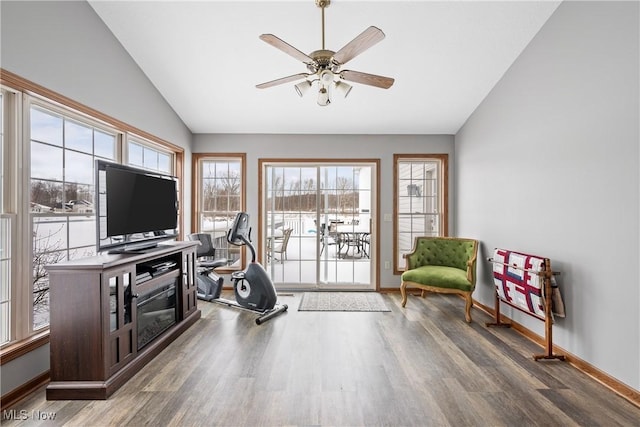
{"points": [[206, 253], [215, 263]]}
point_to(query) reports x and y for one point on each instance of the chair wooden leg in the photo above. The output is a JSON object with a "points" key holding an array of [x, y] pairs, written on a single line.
{"points": [[467, 307], [403, 292]]}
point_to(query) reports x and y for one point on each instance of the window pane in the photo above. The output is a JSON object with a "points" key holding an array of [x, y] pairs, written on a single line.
{"points": [[83, 252], [328, 177], [5, 279], [82, 232], [49, 234], [164, 163], [46, 127], [78, 137], [208, 169], [105, 145], [221, 169], [209, 195], [46, 161], [5, 316], [308, 177], [135, 154], [49, 247], [46, 196], [79, 198], [150, 158], [78, 167], [218, 226]]}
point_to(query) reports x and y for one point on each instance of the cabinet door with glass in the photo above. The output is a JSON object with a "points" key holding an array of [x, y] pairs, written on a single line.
{"points": [[120, 315], [189, 290]]}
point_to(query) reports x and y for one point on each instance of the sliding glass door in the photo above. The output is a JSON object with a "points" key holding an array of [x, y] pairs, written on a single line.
{"points": [[317, 224]]}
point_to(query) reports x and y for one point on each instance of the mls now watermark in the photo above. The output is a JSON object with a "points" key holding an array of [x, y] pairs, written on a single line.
{"points": [[23, 415]]}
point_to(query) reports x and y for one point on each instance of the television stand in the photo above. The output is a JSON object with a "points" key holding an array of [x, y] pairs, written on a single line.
{"points": [[104, 327]]}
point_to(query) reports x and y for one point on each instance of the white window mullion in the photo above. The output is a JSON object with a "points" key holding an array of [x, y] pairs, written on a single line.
{"points": [[22, 278]]}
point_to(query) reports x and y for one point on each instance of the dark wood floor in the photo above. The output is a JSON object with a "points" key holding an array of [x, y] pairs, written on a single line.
{"points": [[419, 366]]}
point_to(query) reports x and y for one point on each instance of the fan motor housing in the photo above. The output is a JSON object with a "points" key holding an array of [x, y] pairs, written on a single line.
{"points": [[323, 61]]}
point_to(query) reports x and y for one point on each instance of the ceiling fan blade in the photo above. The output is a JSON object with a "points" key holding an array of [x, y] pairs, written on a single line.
{"points": [[282, 80], [355, 47], [286, 48], [367, 79]]}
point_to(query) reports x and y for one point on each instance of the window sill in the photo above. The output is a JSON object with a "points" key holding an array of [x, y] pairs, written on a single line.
{"points": [[20, 348]]}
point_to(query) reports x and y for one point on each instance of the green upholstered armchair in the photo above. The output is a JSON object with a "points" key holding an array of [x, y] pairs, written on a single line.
{"points": [[442, 264]]}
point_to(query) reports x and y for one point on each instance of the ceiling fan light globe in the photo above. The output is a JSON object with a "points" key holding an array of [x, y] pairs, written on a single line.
{"points": [[323, 97], [343, 88], [326, 77], [303, 87]]}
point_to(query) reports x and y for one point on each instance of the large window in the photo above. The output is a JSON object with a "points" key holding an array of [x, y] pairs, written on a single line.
{"points": [[219, 195], [420, 195], [49, 147], [63, 150], [145, 155]]}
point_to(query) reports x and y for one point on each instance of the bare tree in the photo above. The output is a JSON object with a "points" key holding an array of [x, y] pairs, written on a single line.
{"points": [[46, 193], [278, 191], [230, 183], [208, 196], [293, 198], [344, 187], [47, 249], [220, 193], [308, 187]]}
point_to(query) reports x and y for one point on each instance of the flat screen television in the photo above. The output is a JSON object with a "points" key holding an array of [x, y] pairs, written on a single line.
{"points": [[135, 208]]}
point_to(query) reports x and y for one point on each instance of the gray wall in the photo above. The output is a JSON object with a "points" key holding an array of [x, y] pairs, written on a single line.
{"points": [[548, 164], [335, 147], [66, 48]]}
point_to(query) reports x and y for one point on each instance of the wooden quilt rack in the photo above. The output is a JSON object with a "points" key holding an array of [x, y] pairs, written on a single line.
{"points": [[545, 273]]}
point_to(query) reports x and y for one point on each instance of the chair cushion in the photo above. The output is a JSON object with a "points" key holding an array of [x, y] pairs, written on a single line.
{"points": [[439, 276]]}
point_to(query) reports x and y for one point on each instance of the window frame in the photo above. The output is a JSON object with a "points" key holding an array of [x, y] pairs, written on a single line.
{"points": [[197, 160], [23, 337], [10, 201], [443, 202]]}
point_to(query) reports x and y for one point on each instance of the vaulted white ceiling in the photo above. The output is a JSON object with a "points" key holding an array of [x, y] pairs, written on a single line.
{"points": [[205, 58]]}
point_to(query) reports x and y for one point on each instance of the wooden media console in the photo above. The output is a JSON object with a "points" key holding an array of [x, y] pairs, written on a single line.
{"points": [[112, 314]]}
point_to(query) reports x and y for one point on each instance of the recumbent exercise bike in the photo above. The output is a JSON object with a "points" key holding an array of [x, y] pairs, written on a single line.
{"points": [[254, 290]]}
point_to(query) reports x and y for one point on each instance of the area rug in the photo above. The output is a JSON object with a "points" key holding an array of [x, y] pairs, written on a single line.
{"points": [[342, 301]]}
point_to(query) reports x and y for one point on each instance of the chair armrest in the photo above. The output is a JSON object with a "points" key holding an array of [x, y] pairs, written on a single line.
{"points": [[410, 263], [471, 265]]}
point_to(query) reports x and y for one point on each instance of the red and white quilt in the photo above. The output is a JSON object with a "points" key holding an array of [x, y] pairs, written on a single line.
{"points": [[517, 283]]}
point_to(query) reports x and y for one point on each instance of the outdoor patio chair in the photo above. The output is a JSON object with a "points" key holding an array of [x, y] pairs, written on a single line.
{"points": [[279, 245], [325, 238]]}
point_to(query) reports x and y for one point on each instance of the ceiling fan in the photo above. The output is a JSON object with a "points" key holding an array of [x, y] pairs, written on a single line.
{"points": [[325, 65]]}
